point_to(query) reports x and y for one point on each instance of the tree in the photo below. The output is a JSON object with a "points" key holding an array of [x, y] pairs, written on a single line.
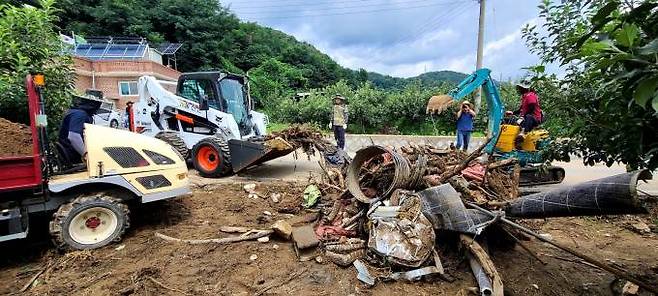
{"points": [[607, 104], [29, 43]]}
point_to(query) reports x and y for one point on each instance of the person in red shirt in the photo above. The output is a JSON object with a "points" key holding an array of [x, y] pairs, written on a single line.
{"points": [[530, 111]]}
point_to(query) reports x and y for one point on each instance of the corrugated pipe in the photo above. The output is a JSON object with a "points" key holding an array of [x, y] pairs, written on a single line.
{"points": [[406, 176]]}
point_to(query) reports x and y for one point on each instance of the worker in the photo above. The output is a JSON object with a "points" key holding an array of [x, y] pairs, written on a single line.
{"points": [[339, 120], [465, 117], [529, 111], [126, 116], [71, 132]]}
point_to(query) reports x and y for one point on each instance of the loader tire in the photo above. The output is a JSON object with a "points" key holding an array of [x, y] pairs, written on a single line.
{"points": [[211, 157], [173, 139], [89, 222]]}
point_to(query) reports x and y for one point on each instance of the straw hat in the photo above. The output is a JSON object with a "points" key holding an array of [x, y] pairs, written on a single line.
{"points": [[523, 84], [467, 103]]}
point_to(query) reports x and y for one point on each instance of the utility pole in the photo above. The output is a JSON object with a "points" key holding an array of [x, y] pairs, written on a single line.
{"points": [[478, 63]]}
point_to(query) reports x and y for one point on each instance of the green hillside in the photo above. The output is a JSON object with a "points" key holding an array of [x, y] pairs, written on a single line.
{"points": [[279, 65], [213, 37], [426, 79]]}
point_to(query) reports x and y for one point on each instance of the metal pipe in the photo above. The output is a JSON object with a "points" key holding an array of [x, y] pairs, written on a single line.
{"points": [[480, 276], [617, 272]]}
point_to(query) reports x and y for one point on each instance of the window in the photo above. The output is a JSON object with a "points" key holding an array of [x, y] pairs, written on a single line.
{"points": [[128, 88], [232, 93], [193, 90]]}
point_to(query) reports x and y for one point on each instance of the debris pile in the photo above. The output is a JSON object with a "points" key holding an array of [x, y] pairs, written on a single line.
{"points": [[16, 139], [398, 201], [393, 213], [310, 140]]}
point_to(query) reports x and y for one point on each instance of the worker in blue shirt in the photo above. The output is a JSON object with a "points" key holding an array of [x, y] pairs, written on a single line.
{"points": [[465, 117], [71, 132]]}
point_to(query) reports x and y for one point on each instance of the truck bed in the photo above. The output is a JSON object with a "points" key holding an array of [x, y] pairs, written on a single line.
{"points": [[19, 172]]}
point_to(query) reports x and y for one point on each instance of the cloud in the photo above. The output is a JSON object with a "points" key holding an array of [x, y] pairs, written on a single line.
{"points": [[403, 40]]}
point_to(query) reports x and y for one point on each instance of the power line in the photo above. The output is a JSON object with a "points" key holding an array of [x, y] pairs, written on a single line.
{"points": [[316, 4], [426, 27], [348, 13]]}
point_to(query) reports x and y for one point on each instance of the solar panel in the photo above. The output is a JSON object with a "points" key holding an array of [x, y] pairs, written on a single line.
{"points": [[110, 51], [169, 48]]}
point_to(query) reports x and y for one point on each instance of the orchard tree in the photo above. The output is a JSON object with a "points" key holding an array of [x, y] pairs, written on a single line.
{"points": [[606, 106]]}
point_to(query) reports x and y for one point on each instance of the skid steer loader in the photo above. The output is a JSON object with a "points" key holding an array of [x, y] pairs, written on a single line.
{"points": [[209, 120]]}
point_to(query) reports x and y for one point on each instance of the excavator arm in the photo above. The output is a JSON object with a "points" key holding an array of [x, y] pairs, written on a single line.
{"points": [[470, 84]]}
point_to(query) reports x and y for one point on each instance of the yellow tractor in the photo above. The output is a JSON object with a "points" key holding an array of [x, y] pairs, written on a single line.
{"points": [[89, 201]]}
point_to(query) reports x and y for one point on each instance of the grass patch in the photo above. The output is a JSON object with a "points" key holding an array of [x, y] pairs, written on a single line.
{"points": [[277, 127]]}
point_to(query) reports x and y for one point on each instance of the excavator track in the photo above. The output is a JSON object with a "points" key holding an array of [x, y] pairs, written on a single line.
{"points": [[537, 175]]}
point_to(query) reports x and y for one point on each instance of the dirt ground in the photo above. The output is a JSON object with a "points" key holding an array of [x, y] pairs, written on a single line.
{"points": [[142, 264], [16, 139]]}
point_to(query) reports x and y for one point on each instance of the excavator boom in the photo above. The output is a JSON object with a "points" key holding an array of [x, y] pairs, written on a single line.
{"points": [[530, 174], [470, 84]]}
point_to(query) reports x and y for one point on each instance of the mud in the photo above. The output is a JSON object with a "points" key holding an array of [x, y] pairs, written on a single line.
{"points": [[142, 264], [16, 139]]}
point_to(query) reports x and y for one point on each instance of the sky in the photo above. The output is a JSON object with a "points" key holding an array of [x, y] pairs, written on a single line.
{"points": [[403, 38]]}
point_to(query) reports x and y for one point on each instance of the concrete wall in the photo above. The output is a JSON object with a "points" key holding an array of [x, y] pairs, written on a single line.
{"points": [[356, 142]]}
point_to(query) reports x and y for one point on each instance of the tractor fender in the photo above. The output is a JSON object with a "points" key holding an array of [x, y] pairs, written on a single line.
{"points": [[116, 180]]}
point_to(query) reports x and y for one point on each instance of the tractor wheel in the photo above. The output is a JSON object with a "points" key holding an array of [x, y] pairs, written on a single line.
{"points": [[212, 158], [89, 222], [173, 139]]}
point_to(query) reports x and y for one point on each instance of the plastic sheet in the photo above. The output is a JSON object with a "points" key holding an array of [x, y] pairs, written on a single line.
{"points": [[444, 208]]}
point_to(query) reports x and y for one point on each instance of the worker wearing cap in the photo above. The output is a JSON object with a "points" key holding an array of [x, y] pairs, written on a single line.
{"points": [[339, 120], [529, 111], [71, 132], [465, 117]]}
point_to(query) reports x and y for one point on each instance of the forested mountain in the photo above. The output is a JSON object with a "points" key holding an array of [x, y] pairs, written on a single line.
{"points": [[278, 65], [426, 79], [213, 37]]}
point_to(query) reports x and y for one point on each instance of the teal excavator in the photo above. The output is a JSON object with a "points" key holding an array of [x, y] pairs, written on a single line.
{"points": [[504, 130]]}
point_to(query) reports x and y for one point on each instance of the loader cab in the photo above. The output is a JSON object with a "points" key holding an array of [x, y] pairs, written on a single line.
{"points": [[221, 91]]}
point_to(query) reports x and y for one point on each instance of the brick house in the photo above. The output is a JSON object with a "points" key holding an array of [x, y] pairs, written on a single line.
{"points": [[115, 68]]}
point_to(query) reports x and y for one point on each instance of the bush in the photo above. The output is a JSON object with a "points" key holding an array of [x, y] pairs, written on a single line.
{"points": [[28, 44], [371, 110]]}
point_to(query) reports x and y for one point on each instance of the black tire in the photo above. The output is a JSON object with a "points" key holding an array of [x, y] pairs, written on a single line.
{"points": [[172, 138], [211, 157], [101, 210], [114, 123]]}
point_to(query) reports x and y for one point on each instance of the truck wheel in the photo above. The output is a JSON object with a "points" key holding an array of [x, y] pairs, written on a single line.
{"points": [[114, 123], [212, 158], [173, 139], [89, 222]]}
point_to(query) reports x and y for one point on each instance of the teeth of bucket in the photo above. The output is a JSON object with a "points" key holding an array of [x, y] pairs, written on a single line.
{"points": [[438, 104], [278, 143]]}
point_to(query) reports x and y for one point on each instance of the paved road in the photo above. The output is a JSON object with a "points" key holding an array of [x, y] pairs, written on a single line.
{"points": [[291, 168]]}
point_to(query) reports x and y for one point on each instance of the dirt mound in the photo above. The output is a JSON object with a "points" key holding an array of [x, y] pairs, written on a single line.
{"points": [[16, 139]]}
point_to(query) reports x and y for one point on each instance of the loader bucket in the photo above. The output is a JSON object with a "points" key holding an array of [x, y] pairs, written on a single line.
{"points": [[247, 153], [438, 104]]}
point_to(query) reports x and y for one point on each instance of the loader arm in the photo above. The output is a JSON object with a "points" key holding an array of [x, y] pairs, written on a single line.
{"points": [[470, 84]]}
